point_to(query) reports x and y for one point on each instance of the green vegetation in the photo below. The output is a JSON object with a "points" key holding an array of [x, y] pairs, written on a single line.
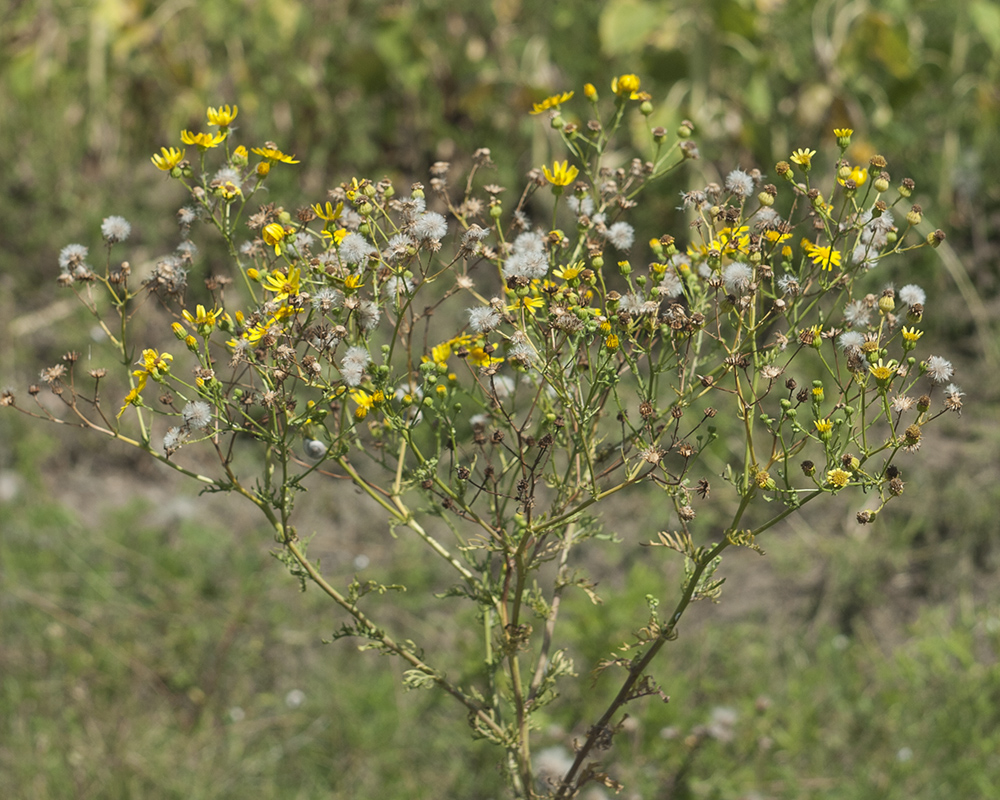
{"points": [[148, 657], [148, 650]]}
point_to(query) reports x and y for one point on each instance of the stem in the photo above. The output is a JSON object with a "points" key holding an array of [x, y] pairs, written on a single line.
{"points": [[568, 787]]}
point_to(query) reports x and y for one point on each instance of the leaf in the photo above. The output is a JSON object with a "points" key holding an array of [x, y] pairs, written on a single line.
{"points": [[418, 679]]}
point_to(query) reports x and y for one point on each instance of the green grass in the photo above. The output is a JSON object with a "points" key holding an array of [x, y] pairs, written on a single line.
{"points": [[148, 657], [157, 661]]}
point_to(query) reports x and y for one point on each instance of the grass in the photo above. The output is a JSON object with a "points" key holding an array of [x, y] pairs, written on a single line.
{"points": [[143, 659], [149, 652]]}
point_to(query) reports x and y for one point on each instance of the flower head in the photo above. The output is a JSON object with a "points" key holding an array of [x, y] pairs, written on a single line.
{"points": [[912, 295], [843, 137], [197, 414], [838, 478], [561, 174], [365, 401], [531, 304], [283, 285], [273, 235], [625, 85], [883, 372], [430, 226], [328, 213], [569, 271], [621, 235], [858, 174], [271, 153], [803, 157], [222, 116], [355, 248], [204, 141], [826, 257], [737, 277], [953, 398], [483, 319], [203, 320], [154, 364], [115, 229], [353, 365], [550, 102], [739, 184], [939, 369], [169, 159]]}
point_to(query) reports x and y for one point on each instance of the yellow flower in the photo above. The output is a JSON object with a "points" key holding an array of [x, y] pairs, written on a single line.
{"points": [[229, 191], [364, 400], [825, 256], [550, 102], [562, 174], [259, 331], [153, 363], [273, 234], [240, 156], [838, 478], [611, 342], [731, 240], [440, 353], [337, 236], [353, 282], [883, 372], [203, 320], [858, 174], [570, 271], [205, 141], [531, 304], [824, 425], [841, 133], [625, 85], [283, 286], [803, 158], [590, 91], [272, 153], [222, 116], [478, 357], [328, 213], [776, 237], [171, 158]]}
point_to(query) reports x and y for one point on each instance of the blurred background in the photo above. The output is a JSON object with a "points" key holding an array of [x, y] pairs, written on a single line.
{"points": [[150, 647]]}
